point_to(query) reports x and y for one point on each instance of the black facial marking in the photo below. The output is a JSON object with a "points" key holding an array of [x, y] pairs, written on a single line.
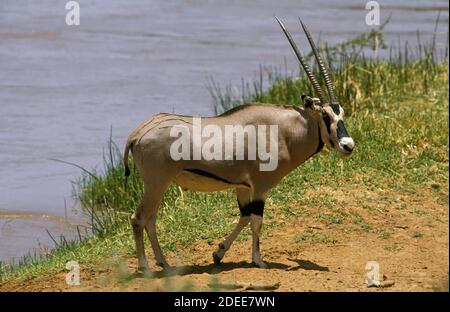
{"points": [[341, 131], [335, 108], [211, 176], [320, 144], [327, 121], [348, 149], [256, 207]]}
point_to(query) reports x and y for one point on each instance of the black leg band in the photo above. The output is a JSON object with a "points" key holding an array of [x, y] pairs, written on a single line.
{"points": [[256, 207]]}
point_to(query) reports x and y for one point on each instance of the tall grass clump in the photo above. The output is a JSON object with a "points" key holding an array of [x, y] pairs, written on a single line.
{"points": [[361, 78]]}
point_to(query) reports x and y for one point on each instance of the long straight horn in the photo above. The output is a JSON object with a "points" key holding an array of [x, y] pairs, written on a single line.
{"points": [[305, 66], [322, 67]]}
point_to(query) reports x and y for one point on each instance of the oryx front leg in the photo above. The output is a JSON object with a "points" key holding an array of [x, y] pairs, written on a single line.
{"points": [[256, 221], [226, 244], [243, 198], [254, 211]]}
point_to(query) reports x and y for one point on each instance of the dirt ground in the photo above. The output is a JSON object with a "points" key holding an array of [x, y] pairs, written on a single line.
{"points": [[414, 255]]}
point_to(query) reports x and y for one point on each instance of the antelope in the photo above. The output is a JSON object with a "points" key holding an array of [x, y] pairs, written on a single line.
{"points": [[301, 133]]}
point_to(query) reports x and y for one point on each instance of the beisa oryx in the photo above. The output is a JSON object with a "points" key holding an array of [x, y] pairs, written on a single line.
{"points": [[300, 132]]}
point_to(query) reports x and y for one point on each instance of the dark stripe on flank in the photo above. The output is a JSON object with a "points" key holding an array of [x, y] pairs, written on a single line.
{"points": [[341, 130], [211, 176], [255, 207]]}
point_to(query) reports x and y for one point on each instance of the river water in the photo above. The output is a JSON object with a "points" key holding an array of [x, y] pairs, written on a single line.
{"points": [[63, 87]]}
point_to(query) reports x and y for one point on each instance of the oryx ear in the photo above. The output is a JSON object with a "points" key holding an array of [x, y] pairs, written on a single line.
{"points": [[311, 103]]}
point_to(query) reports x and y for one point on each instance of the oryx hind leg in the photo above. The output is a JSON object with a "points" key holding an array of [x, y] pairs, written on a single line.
{"points": [[145, 217], [138, 220], [151, 232], [243, 196]]}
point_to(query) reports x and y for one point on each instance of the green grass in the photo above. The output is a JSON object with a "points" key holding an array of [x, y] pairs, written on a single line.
{"points": [[315, 237], [397, 112]]}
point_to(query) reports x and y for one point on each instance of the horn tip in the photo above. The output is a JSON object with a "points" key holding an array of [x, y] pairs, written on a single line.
{"points": [[303, 24], [280, 23]]}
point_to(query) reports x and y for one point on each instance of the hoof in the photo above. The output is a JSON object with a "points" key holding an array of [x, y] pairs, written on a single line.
{"points": [[216, 258], [144, 272], [260, 265], [143, 269], [165, 266]]}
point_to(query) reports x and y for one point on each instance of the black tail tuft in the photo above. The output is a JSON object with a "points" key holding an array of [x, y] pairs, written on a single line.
{"points": [[127, 172]]}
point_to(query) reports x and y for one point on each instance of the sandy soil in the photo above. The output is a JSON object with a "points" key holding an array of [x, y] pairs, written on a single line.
{"points": [[415, 262]]}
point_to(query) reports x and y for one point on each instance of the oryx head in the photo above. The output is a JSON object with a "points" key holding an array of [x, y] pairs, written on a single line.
{"points": [[328, 111]]}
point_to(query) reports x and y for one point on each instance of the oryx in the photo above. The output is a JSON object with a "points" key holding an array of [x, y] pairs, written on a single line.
{"points": [[302, 132]]}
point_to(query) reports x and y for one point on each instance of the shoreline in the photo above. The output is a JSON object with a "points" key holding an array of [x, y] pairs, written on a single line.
{"points": [[23, 233]]}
